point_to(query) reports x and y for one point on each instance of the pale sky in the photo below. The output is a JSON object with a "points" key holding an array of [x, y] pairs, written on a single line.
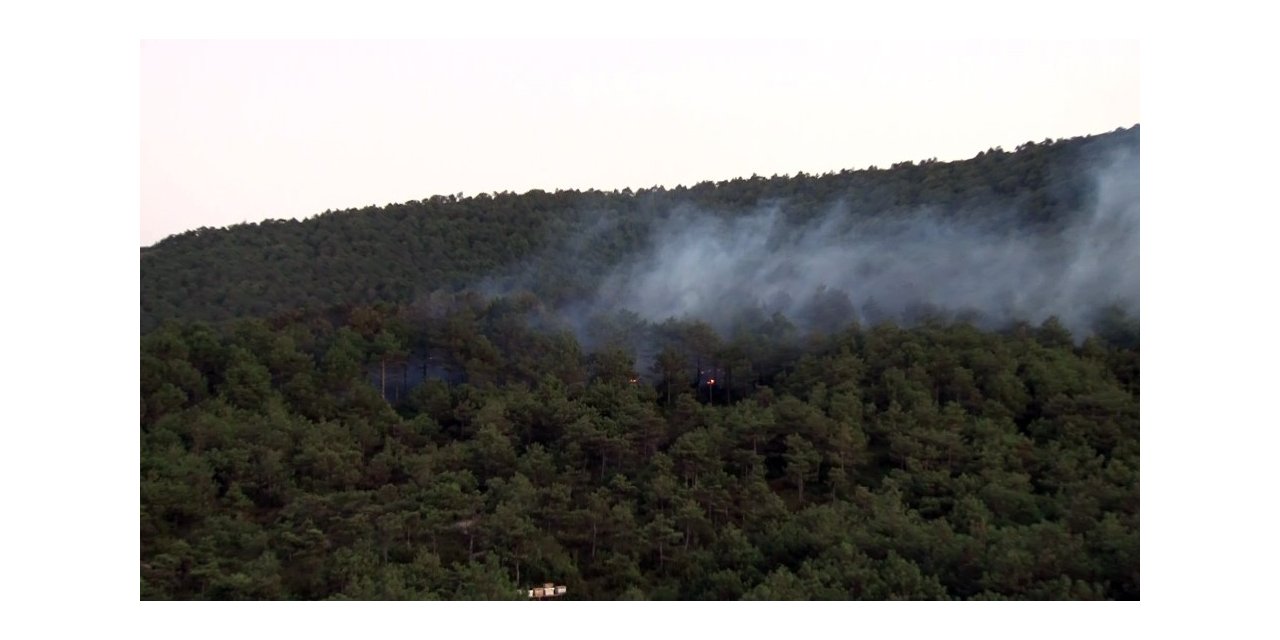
{"points": [[238, 131]]}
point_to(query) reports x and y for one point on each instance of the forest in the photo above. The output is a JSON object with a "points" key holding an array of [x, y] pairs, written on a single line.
{"points": [[464, 398]]}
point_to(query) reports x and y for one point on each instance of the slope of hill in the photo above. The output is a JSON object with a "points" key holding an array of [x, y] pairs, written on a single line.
{"points": [[698, 393], [574, 240]]}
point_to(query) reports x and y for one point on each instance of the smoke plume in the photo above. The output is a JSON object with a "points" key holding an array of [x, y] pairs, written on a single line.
{"points": [[710, 267], [824, 268]]}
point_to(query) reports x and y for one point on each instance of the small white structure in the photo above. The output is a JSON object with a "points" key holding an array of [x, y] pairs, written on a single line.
{"points": [[547, 590]]}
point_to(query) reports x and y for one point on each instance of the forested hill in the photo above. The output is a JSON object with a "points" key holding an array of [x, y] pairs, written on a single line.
{"points": [[697, 393], [572, 240]]}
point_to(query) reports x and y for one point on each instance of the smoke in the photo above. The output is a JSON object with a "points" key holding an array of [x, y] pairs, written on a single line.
{"points": [[827, 267], [990, 269]]}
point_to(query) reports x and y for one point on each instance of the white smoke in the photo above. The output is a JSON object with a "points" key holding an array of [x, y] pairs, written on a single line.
{"points": [[708, 267]]}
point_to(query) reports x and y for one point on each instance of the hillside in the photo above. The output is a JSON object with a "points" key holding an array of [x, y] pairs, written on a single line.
{"points": [[572, 239], [920, 382]]}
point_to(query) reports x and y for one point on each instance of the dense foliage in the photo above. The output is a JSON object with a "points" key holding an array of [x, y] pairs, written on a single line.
{"points": [[933, 462], [336, 408], [402, 251]]}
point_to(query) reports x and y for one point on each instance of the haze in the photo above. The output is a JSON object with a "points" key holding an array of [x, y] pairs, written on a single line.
{"points": [[244, 131]]}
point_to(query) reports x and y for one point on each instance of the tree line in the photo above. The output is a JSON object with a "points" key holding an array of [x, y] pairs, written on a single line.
{"points": [[400, 252]]}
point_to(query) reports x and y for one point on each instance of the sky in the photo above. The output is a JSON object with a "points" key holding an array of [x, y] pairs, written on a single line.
{"points": [[242, 131]]}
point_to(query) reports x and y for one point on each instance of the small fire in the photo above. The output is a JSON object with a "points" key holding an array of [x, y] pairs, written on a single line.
{"points": [[711, 381], [635, 380]]}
